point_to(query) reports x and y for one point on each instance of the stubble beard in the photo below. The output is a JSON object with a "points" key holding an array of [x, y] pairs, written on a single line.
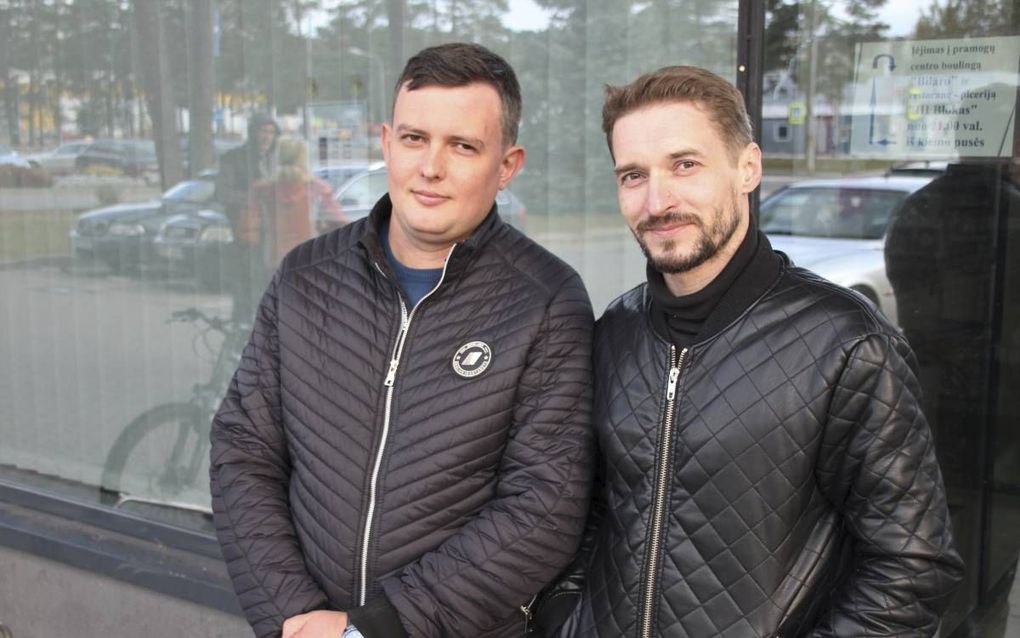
{"points": [[710, 240]]}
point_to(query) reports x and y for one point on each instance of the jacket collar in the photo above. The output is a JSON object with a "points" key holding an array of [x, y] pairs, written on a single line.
{"points": [[463, 254], [757, 277]]}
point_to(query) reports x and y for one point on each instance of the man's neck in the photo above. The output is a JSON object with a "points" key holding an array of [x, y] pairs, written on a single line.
{"points": [[416, 254]]}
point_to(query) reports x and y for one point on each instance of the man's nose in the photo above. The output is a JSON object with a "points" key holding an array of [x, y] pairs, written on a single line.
{"points": [[660, 197], [433, 163]]}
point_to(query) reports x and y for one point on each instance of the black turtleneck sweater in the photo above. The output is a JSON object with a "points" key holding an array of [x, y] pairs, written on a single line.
{"points": [[687, 319]]}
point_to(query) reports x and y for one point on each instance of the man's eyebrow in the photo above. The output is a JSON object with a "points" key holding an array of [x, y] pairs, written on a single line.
{"points": [[675, 155], [686, 152], [626, 168], [404, 128], [470, 141], [457, 139]]}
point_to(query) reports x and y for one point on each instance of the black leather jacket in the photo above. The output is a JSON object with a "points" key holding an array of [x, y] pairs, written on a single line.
{"points": [[775, 479], [354, 468]]}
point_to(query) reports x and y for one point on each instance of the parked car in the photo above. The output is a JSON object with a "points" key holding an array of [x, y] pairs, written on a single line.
{"points": [[60, 160], [358, 195], [9, 156], [338, 174], [121, 236], [837, 228], [198, 245], [199, 242], [129, 156]]}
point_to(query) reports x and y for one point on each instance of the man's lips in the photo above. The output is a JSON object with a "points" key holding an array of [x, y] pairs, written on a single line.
{"points": [[666, 229], [429, 198], [668, 225]]}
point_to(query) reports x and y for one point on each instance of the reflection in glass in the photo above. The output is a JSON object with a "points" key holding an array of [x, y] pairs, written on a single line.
{"points": [[128, 126]]}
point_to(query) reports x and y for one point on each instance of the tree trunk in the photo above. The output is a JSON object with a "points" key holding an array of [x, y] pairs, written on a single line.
{"points": [[11, 87], [200, 81], [158, 89], [395, 18]]}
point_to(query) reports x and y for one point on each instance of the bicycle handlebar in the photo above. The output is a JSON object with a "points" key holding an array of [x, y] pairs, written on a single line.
{"points": [[196, 315]]}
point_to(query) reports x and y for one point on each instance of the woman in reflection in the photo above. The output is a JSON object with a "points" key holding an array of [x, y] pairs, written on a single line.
{"points": [[287, 209]]}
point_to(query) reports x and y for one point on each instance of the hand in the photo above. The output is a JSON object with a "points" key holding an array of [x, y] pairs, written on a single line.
{"points": [[315, 624]]}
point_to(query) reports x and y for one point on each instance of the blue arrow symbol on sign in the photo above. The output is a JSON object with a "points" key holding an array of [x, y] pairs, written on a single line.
{"points": [[892, 61]]}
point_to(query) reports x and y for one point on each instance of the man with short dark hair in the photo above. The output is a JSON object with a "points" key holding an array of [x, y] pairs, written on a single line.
{"points": [[406, 446], [765, 466]]}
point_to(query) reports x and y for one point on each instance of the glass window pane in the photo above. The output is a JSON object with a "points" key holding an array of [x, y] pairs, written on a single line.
{"points": [[135, 190], [917, 99]]}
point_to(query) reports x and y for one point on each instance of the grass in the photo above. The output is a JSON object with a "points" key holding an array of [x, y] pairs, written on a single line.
{"points": [[29, 234]]}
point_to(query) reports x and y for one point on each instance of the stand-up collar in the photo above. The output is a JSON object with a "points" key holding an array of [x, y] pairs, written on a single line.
{"points": [[463, 254], [688, 319]]}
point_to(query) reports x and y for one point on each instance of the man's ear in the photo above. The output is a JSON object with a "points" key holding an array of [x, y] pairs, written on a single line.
{"points": [[387, 132], [750, 169], [511, 164]]}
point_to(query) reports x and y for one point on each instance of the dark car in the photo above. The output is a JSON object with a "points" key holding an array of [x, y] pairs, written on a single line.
{"points": [[121, 236], [199, 242], [136, 158]]}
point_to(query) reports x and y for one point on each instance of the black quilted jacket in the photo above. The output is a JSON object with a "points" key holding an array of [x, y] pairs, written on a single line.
{"points": [[352, 464], [775, 479]]}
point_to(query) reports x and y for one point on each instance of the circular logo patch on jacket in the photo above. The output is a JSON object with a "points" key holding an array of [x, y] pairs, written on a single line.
{"points": [[472, 359]]}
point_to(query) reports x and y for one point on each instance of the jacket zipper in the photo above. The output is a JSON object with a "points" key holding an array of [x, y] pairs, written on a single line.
{"points": [[663, 454], [388, 382]]}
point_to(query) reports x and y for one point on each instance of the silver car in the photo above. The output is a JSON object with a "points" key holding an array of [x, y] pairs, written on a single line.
{"points": [[60, 160], [836, 228]]}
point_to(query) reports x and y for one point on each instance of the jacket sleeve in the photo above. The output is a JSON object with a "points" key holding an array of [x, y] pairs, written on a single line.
{"points": [[249, 472], [878, 466], [480, 577]]}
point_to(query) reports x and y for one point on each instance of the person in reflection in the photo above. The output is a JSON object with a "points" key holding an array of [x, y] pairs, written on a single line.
{"points": [[765, 466], [952, 260], [406, 446], [239, 169], [287, 209]]}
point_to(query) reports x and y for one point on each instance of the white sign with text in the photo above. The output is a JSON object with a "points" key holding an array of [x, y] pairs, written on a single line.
{"points": [[935, 98]]}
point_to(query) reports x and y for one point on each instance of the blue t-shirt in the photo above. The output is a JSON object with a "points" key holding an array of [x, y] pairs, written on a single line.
{"points": [[415, 282]]}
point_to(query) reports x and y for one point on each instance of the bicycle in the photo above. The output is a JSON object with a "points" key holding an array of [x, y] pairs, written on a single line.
{"points": [[158, 458]]}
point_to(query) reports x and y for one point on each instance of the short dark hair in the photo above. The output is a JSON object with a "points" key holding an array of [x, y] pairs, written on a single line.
{"points": [[721, 99], [460, 64]]}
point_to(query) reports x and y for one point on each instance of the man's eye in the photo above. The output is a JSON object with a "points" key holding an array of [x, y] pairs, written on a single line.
{"points": [[686, 165], [412, 138], [461, 146], [630, 178]]}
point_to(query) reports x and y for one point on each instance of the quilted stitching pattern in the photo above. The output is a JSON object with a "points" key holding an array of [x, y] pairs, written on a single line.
{"points": [[480, 476], [799, 419]]}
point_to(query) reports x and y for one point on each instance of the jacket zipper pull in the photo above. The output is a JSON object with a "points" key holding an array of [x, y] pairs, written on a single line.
{"points": [[391, 374], [674, 374], [529, 626]]}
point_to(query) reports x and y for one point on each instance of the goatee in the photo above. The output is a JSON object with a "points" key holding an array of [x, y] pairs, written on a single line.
{"points": [[710, 240]]}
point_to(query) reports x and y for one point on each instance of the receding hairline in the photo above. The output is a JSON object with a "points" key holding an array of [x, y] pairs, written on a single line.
{"points": [[733, 146]]}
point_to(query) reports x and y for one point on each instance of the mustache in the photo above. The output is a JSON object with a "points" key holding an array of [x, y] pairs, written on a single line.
{"points": [[654, 223]]}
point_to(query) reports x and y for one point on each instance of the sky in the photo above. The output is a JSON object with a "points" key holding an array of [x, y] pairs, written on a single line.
{"points": [[525, 15]]}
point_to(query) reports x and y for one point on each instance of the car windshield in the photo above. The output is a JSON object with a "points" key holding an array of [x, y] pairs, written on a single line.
{"points": [[192, 190], [337, 176], [363, 191], [835, 213]]}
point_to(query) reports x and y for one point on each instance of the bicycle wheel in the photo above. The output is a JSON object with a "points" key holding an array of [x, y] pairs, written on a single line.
{"points": [[158, 459]]}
